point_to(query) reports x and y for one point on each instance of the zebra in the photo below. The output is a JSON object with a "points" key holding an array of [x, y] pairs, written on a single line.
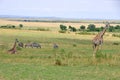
{"points": [[55, 46], [28, 45], [37, 45], [32, 45]]}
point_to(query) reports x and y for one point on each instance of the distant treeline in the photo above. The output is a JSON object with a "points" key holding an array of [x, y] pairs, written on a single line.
{"points": [[89, 28], [9, 26], [20, 26], [68, 21]]}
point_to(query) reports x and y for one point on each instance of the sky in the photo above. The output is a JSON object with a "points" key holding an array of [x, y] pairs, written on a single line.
{"points": [[81, 9]]}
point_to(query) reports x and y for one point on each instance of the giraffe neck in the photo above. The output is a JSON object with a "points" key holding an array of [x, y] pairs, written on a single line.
{"points": [[14, 46], [103, 32]]}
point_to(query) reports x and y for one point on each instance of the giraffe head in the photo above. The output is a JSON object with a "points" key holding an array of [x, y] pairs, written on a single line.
{"points": [[16, 40], [107, 24]]}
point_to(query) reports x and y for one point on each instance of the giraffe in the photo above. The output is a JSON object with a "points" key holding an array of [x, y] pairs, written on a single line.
{"points": [[13, 50], [98, 39], [20, 44]]}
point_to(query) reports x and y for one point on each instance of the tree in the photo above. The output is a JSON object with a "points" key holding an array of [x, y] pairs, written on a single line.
{"points": [[98, 29], [13, 26], [72, 29], [101, 28], [63, 27], [117, 27], [91, 27], [82, 27], [111, 29], [20, 25]]}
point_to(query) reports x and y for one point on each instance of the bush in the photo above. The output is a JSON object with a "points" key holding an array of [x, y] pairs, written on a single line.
{"points": [[101, 28], [13, 26], [91, 27], [73, 29], [82, 27], [116, 35], [117, 27], [86, 33], [58, 62], [20, 25], [42, 29], [98, 29], [99, 54], [63, 27], [3, 27], [8, 26], [62, 31], [111, 29], [74, 45]]}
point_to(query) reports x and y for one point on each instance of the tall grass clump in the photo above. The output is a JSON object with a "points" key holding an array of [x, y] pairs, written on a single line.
{"points": [[58, 62], [103, 57], [86, 33], [62, 31], [40, 29], [116, 35], [99, 54], [61, 57], [74, 45]]}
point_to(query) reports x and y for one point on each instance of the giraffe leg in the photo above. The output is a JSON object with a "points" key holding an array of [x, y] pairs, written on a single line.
{"points": [[94, 48], [94, 54], [97, 48], [100, 47], [101, 44]]}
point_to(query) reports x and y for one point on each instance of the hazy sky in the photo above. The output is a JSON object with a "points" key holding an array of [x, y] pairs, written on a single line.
{"points": [[92, 9]]}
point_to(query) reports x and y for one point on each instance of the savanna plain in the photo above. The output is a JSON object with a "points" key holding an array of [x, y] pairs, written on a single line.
{"points": [[73, 59]]}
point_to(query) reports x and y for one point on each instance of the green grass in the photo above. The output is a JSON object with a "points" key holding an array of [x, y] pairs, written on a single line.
{"points": [[74, 54], [38, 72]]}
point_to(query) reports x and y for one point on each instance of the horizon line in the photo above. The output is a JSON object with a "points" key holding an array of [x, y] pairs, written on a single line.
{"points": [[24, 16]]}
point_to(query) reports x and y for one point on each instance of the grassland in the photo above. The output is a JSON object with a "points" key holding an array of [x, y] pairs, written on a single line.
{"points": [[74, 55]]}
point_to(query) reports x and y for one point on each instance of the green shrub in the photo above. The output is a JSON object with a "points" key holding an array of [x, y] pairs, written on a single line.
{"points": [[73, 29], [62, 31], [63, 27], [111, 29], [86, 33], [58, 62], [8, 26], [116, 35], [42, 29], [74, 45], [117, 27], [82, 27], [20, 25], [91, 27], [99, 54]]}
